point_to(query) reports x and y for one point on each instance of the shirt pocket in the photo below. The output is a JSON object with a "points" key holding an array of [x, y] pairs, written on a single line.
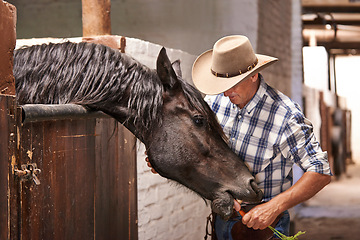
{"points": [[260, 153]]}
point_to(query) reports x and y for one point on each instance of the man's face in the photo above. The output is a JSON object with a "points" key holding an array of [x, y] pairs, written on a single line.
{"points": [[242, 93]]}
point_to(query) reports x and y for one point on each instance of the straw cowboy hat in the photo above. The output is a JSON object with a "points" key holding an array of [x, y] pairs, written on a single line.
{"points": [[231, 61]]}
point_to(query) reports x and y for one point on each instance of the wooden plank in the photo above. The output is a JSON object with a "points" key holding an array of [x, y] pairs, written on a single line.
{"points": [[5, 158], [116, 192], [4, 170], [58, 153], [43, 194], [26, 223], [37, 207], [102, 211], [130, 154], [127, 159], [9, 227], [84, 177]]}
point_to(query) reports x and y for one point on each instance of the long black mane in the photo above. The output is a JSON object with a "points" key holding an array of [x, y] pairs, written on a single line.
{"points": [[100, 78]]}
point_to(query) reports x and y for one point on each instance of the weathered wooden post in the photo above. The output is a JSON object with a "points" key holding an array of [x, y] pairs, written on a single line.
{"points": [[8, 209], [7, 40], [96, 17]]}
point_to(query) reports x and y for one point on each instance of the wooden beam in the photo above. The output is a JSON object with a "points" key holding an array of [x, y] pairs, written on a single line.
{"points": [[341, 22], [333, 3], [331, 9], [348, 47], [96, 17]]}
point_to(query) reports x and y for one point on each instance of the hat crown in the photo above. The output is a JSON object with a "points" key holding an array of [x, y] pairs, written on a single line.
{"points": [[232, 54]]}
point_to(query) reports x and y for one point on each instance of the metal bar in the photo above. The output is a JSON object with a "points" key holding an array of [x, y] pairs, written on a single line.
{"points": [[46, 112]]}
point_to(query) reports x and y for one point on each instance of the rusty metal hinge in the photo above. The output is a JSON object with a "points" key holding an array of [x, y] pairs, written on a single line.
{"points": [[28, 172]]}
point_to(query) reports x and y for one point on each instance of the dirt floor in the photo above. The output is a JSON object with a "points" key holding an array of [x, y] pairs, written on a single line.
{"points": [[334, 213]]}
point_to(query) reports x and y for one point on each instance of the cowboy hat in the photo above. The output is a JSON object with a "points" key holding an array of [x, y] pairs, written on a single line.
{"points": [[230, 61]]}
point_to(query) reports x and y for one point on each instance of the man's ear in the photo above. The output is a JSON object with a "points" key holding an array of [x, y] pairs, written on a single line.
{"points": [[166, 72], [255, 77]]}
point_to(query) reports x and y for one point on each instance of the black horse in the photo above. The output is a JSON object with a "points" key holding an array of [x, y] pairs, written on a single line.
{"points": [[183, 139]]}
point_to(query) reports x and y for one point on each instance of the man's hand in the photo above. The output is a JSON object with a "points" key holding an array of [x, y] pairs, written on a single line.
{"points": [[261, 216], [149, 164]]}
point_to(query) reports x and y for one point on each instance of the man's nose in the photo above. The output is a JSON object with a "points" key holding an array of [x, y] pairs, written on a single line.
{"points": [[227, 92]]}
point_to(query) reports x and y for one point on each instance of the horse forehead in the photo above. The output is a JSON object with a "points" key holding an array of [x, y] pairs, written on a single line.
{"points": [[179, 101]]}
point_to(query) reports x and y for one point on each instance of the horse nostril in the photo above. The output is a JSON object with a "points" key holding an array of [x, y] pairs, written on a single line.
{"points": [[254, 186], [257, 190]]}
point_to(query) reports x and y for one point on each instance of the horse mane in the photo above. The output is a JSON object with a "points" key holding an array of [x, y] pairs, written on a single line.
{"points": [[98, 77]]}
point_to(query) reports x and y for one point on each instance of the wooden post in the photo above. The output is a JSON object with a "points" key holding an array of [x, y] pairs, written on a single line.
{"points": [[96, 17], [7, 45]]}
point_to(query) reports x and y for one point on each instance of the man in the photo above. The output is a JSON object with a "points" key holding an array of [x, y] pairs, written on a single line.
{"points": [[265, 128]]}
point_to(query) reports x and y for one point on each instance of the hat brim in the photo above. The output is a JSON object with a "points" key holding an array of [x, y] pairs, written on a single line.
{"points": [[208, 83]]}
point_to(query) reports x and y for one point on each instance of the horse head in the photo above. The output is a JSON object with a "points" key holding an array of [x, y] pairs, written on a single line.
{"points": [[189, 146]]}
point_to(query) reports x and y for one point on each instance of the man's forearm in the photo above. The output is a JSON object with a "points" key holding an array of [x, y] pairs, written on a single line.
{"points": [[305, 188]]}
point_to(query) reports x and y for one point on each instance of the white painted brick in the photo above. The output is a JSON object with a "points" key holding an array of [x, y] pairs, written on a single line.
{"points": [[157, 211], [179, 231], [149, 197]]}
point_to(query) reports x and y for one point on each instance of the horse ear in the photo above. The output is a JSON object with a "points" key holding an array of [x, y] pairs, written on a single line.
{"points": [[177, 68], [165, 71]]}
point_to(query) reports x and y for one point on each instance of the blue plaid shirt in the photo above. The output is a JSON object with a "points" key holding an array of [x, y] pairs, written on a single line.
{"points": [[270, 134]]}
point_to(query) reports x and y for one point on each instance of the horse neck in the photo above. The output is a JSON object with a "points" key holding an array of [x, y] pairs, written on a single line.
{"points": [[139, 110]]}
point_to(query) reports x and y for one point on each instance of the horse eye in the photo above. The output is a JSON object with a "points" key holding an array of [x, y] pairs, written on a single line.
{"points": [[199, 120]]}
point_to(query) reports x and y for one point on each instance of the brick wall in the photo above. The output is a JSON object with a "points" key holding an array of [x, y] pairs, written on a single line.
{"points": [[296, 52], [280, 35], [274, 39], [167, 210]]}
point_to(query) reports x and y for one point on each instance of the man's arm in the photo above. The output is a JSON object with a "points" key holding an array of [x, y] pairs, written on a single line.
{"points": [[261, 216]]}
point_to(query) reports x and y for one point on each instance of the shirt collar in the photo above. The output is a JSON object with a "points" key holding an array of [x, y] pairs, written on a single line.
{"points": [[258, 95]]}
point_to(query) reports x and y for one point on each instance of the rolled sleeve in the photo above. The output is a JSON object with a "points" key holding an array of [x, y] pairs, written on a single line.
{"points": [[299, 144]]}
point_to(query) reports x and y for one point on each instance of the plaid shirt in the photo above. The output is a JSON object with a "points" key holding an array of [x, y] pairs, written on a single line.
{"points": [[270, 134]]}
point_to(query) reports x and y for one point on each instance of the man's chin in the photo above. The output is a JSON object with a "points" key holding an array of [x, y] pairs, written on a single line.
{"points": [[233, 99]]}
